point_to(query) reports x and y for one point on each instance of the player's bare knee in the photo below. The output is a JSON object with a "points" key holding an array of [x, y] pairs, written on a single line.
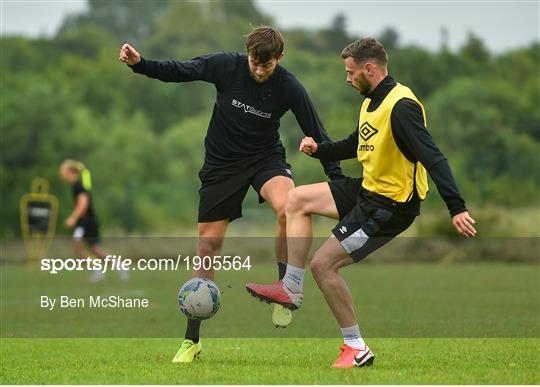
{"points": [[318, 267], [295, 201]]}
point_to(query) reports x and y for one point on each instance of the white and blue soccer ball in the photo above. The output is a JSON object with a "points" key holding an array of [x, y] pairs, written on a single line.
{"points": [[199, 298]]}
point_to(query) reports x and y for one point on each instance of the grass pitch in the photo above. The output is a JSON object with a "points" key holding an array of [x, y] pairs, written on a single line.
{"points": [[427, 324], [268, 361]]}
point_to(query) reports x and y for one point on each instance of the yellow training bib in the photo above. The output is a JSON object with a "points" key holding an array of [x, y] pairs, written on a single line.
{"points": [[387, 171]]}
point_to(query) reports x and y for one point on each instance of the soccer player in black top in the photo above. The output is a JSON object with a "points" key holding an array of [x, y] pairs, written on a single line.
{"points": [[396, 152], [242, 145], [83, 218]]}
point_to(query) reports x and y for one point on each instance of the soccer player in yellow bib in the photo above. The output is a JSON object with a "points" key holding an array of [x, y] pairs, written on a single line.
{"points": [[396, 152]]}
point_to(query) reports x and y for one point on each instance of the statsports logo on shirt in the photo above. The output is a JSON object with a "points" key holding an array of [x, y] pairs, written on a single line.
{"points": [[250, 109]]}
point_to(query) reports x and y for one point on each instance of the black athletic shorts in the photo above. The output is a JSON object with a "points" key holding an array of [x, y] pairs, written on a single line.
{"points": [[364, 225], [88, 231], [223, 190]]}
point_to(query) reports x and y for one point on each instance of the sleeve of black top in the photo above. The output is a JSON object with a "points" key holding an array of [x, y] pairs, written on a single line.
{"points": [[311, 125], [416, 144], [78, 188], [338, 150], [209, 68]]}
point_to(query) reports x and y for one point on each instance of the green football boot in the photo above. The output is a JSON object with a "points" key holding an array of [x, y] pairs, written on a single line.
{"points": [[281, 317], [187, 352]]}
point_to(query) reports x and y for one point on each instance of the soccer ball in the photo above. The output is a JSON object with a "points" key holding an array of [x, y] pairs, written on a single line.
{"points": [[199, 298]]}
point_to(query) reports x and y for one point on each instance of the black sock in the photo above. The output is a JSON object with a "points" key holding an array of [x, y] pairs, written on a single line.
{"points": [[282, 268], [192, 330]]}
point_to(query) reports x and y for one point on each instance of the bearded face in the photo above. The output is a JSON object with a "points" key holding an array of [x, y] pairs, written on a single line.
{"points": [[261, 72]]}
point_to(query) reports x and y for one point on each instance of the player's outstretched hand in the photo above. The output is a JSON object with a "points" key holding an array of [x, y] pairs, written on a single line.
{"points": [[464, 224], [129, 55], [308, 146]]}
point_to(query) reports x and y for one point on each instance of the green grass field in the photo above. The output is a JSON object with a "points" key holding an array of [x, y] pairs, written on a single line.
{"points": [[426, 323], [268, 361]]}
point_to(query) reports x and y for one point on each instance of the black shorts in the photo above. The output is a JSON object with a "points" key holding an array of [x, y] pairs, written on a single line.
{"points": [[364, 226], [88, 231], [223, 190]]}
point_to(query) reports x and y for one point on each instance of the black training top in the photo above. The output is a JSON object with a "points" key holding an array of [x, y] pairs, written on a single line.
{"points": [[412, 139], [89, 215], [246, 114]]}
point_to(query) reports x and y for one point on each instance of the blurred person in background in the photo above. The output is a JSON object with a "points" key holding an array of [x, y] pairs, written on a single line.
{"points": [[242, 144], [396, 152], [83, 219]]}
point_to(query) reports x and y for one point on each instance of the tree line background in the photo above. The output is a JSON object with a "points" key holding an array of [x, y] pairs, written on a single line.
{"points": [[69, 97]]}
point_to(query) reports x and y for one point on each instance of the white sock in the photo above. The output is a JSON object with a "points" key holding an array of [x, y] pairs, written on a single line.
{"points": [[294, 278], [352, 337]]}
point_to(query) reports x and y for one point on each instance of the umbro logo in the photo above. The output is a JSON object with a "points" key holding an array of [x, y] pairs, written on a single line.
{"points": [[343, 229], [367, 131]]}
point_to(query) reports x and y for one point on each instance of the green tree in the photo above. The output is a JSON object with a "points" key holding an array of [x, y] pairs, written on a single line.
{"points": [[389, 38], [132, 21], [335, 37]]}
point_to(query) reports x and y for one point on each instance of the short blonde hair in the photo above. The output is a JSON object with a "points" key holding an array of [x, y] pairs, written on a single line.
{"points": [[73, 165]]}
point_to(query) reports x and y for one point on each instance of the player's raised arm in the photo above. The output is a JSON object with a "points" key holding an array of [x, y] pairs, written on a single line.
{"points": [[210, 68]]}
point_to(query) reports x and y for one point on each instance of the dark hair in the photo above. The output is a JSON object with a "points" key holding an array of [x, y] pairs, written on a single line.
{"points": [[264, 44], [364, 49]]}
